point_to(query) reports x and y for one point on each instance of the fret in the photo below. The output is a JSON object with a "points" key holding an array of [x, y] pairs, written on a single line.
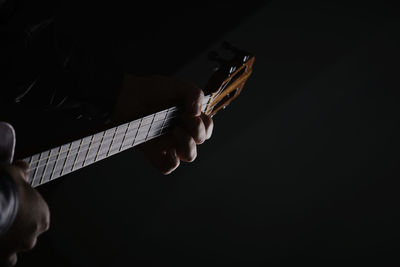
{"points": [[143, 129], [131, 133], [146, 121], [161, 115], [94, 148], [75, 155], [50, 164], [76, 165], [32, 167], [141, 133], [155, 130], [123, 139], [115, 141], [105, 144], [71, 156], [118, 139], [40, 168], [173, 113], [83, 152], [151, 125], [163, 122], [166, 127], [60, 162], [87, 151]]}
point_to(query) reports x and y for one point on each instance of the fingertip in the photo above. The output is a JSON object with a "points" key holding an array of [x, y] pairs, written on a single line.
{"points": [[11, 260], [209, 125], [173, 162]]}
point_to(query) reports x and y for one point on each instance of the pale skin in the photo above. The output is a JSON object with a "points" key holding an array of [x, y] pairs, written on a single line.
{"points": [[139, 96], [33, 217], [145, 95]]}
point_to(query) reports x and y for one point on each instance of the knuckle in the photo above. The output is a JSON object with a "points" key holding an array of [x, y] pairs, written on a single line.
{"points": [[29, 244], [192, 156], [34, 228], [198, 124], [187, 140], [198, 93], [171, 168], [171, 163], [200, 129], [45, 224], [10, 260], [191, 153]]}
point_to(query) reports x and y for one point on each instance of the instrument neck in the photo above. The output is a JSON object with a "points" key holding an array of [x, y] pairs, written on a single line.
{"points": [[59, 161]]}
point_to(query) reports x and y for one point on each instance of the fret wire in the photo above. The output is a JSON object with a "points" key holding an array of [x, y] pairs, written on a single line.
{"points": [[70, 150], [166, 119], [151, 124], [36, 168], [45, 168], [123, 139], [41, 158], [166, 115], [165, 127], [87, 151], [77, 153], [112, 140], [55, 163], [101, 142], [137, 131], [137, 141], [66, 159], [140, 140]]}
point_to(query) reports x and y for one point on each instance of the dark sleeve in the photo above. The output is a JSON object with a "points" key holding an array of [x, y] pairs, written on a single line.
{"points": [[56, 63], [8, 202]]}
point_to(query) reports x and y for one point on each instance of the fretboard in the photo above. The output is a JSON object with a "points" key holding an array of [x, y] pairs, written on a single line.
{"points": [[59, 161]]}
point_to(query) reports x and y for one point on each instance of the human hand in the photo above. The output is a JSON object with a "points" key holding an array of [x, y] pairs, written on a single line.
{"points": [[32, 219], [145, 95]]}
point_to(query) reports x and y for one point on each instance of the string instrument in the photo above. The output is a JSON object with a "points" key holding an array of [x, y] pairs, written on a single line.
{"points": [[223, 87]]}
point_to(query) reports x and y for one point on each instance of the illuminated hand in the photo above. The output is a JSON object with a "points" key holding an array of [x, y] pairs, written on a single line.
{"points": [[33, 217], [141, 96]]}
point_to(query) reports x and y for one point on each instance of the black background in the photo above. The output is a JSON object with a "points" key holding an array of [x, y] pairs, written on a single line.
{"points": [[302, 168]]}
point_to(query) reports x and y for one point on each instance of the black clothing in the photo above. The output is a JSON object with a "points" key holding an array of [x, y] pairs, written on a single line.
{"points": [[50, 63], [50, 67]]}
